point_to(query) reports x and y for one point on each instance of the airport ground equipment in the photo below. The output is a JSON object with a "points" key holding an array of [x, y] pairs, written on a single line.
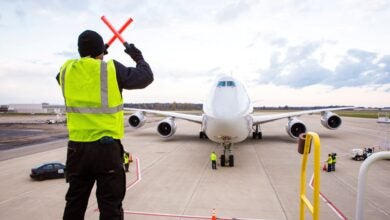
{"points": [[383, 117], [305, 143], [361, 154], [362, 181]]}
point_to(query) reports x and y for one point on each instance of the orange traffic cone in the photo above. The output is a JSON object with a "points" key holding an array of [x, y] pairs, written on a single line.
{"points": [[324, 167], [130, 158], [213, 217]]}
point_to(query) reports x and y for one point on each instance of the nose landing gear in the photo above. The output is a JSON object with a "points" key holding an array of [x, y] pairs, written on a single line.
{"points": [[227, 158]]}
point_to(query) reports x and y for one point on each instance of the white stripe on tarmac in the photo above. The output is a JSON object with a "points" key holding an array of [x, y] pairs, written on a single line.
{"points": [[328, 202]]}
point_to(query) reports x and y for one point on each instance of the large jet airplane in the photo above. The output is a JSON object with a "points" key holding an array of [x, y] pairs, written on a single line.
{"points": [[228, 118]]}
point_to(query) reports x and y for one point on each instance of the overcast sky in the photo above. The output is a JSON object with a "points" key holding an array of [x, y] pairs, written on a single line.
{"points": [[296, 53]]}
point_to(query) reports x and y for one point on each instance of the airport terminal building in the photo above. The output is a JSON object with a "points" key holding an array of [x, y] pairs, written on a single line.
{"points": [[34, 108]]}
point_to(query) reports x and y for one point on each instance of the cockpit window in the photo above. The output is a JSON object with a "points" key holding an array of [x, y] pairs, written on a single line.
{"points": [[221, 84], [230, 84], [226, 83]]}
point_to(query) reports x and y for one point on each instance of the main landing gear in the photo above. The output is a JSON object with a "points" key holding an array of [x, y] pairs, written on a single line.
{"points": [[256, 134], [202, 135], [227, 158]]}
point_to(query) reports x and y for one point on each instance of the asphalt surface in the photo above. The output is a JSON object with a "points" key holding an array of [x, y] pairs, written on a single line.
{"points": [[24, 130], [173, 179]]}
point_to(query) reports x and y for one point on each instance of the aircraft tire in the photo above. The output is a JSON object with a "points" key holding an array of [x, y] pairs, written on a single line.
{"points": [[257, 135], [223, 160], [231, 160], [202, 135]]}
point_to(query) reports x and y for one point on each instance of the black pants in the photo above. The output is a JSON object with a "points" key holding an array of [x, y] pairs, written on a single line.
{"points": [[329, 167], [214, 164], [100, 161]]}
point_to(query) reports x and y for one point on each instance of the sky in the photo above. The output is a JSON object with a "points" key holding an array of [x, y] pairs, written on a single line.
{"points": [[286, 52]]}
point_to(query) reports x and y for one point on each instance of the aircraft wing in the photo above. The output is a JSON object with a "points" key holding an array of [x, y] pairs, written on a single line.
{"points": [[261, 119], [188, 117]]}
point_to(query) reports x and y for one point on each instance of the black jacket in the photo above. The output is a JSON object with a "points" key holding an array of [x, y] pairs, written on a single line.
{"points": [[137, 77]]}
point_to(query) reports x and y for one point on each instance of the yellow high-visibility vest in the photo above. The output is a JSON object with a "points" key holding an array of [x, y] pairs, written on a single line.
{"points": [[94, 105], [126, 158], [330, 160], [213, 157]]}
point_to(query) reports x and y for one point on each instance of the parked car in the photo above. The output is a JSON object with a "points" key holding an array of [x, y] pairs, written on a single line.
{"points": [[51, 170]]}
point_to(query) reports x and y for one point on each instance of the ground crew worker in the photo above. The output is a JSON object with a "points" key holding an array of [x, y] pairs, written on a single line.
{"points": [[334, 161], [329, 161], [92, 90], [213, 158], [126, 161]]}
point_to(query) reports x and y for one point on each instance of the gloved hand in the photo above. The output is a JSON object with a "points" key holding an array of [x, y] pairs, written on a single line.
{"points": [[134, 53], [106, 46]]}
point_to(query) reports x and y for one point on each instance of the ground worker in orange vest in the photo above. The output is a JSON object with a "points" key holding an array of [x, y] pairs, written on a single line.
{"points": [[213, 158]]}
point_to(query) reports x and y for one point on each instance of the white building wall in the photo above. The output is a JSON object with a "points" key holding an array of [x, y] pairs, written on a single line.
{"points": [[26, 108]]}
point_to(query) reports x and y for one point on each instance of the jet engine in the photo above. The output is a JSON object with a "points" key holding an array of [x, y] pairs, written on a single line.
{"points": [[137, 120], [330, 120], [167, 127], [295, 127]]}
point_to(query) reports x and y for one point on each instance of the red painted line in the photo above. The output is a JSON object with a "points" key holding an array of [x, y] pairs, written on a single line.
{"points": [[328, 202], [138, 174], [138, 179], [165, 215], [183, 216]]}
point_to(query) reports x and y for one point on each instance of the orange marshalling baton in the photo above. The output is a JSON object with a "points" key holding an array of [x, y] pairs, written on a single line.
{"points": [[125, 25], [117, 34]]}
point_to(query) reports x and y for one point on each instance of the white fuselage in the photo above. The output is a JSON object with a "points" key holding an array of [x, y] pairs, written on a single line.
{"points": [[227, 112]]}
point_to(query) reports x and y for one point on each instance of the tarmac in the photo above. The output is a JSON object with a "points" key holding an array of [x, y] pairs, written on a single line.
{"points": [[172, 178]]}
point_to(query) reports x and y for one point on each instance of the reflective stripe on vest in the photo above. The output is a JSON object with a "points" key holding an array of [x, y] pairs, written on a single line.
{"points": [[94, 105], [103, 93]]}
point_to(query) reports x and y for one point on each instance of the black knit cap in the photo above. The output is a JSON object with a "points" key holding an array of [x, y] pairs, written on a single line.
{"points": [[91, 44]]}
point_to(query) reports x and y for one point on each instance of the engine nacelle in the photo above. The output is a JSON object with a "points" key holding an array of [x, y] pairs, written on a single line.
{"points": [[295, 127], [330, 120], [137, 120], [167, 127]]}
